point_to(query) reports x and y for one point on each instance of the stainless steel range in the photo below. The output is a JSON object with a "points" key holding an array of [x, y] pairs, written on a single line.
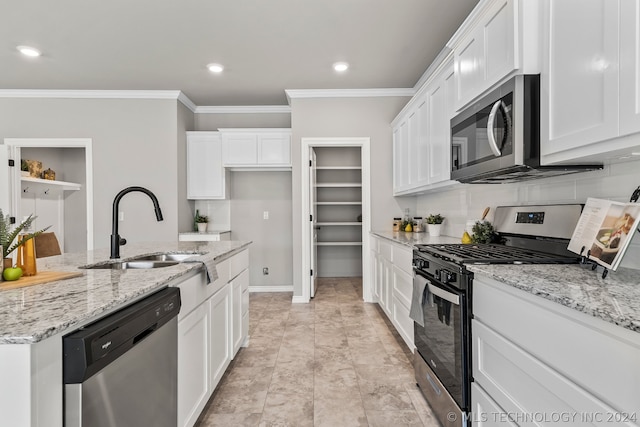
{"points": [[442, 328]]}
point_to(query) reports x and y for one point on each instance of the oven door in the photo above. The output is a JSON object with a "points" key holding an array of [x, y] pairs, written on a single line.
{"points": [[443, 341]]}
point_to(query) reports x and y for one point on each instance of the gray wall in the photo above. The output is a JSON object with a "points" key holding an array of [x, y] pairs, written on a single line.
{"points": [[348, 117], [253, 193], [213, 121], [134, 143], [186, 209]]}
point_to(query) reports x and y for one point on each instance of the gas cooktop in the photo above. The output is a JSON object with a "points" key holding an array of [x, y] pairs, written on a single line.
{"points": [[493, 254]]}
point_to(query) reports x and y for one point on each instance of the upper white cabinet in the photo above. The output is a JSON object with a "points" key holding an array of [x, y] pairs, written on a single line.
{"points": [[256, 148], [206, 177], [629, 67], [421, 143], [590, 84], [498, 38]]}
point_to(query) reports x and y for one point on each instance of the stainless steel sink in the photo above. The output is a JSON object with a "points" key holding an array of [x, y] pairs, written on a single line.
{"points": [[164, 257], [126, 265]]}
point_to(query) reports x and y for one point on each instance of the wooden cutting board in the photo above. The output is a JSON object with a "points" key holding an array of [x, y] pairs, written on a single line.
{"points": [[41, 277]]}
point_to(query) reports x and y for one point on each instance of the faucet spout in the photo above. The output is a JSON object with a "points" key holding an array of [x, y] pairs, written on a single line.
{"points": [[116, 240]]}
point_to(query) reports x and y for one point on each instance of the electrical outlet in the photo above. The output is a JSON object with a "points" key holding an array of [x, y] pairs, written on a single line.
{"points": [[120, 216], [265, 271], [265, 215]]}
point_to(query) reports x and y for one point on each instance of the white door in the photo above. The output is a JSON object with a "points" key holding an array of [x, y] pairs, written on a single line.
{"points": [[313, 224]]}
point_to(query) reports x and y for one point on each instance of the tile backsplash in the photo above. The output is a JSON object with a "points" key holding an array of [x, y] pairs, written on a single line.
{"points": [[467, 201]]}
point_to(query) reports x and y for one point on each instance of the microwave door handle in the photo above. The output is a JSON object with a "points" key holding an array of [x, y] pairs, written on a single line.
{"points": [[490, 129], [452, 298]]}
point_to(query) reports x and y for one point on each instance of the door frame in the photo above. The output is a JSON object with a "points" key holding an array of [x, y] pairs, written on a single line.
{"points": [[85, 143], [307, 144]]}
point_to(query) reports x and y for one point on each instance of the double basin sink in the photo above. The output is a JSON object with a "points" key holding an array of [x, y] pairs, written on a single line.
{"points": [[143, 262]]}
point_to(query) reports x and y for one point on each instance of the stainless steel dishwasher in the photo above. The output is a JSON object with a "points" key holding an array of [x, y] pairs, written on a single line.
{"points": [[121, 370]]}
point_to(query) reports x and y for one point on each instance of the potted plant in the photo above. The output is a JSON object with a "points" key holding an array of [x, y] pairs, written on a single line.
{"points": [[24, 168], [434, 224], [8, 236], [483, 232], [201, 222]]}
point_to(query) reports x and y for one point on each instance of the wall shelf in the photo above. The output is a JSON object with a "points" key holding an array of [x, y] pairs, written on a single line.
{"points": [[339, 244], [67, 186], [351, 223], [338, 184], [338, 168], [338, 203]]}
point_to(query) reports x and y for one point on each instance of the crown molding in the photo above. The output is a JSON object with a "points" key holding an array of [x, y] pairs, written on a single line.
{"points": [[244, 109], [347, 93], [98, 94]]}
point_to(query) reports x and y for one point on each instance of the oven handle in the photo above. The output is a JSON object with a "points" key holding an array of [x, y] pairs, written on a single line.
{"points": [[452, 298]]}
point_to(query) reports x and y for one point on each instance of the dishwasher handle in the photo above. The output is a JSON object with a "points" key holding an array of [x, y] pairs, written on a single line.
{"points": [[89, 349]]}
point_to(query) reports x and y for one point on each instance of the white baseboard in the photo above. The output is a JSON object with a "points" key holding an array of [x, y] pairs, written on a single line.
{"points": [[282, 288], [299, 299]]}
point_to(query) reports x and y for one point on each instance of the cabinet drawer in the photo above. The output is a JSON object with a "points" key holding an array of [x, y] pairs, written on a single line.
{"points": [[385, 249], [522, 384], [402, 322], [193, 292], [237, 263], [573, 343], [402, 258], [402, 285]]}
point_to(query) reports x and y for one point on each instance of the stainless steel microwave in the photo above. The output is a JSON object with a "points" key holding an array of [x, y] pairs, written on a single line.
{"points": [[497, 139]]}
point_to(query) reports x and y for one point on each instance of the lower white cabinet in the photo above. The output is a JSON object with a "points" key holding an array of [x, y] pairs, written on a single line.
{"points": [[393, 284], [210, 332], [239, 291], [538, 359], [193, 365], [220, 336]]}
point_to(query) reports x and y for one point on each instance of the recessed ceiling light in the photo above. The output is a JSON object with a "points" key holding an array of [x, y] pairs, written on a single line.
{"points": [[215, 68], [28, 51], [340, 66]]}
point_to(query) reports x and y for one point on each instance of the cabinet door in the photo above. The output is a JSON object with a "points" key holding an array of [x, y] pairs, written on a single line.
{"points": [[439, 116], [374, 277], [412, 147], [629, 66], [193, 365], [205, 174], [468, 63], [274, 149], [420, 150], [220, 338], [579, 82], [237, 285], [400, 157], [240, 149], [498, 34]]}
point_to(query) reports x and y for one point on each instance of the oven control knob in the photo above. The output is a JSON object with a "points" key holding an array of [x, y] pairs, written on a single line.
{"points": [[436, 274], [451, 277]]}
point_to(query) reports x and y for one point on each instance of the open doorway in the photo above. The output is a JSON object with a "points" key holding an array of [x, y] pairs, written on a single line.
{"points": [[336, 211], [64, 201]]}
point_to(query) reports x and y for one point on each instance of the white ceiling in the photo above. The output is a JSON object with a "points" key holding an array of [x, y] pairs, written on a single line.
{"points": [[266, 46]]}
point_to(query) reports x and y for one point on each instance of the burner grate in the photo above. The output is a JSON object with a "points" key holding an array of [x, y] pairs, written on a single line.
{"points": [[493, 254]]}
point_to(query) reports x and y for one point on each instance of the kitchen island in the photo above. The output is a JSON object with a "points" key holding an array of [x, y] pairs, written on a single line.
{"points": [[33, 319]]}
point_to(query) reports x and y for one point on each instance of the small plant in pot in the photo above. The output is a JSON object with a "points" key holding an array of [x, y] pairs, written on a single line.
{"points": [[483, 232], [434, 224], [201, 222]]}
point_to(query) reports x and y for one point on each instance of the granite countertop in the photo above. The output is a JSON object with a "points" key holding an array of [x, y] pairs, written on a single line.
{"points": [[411, 239], [31, 314], [615, 299]]}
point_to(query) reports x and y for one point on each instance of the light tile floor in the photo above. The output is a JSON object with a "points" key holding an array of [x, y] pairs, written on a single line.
{"points": [[333, 362]]}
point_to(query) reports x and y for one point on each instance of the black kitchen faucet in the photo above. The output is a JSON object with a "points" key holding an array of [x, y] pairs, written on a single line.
{"points": [[116, 240]]}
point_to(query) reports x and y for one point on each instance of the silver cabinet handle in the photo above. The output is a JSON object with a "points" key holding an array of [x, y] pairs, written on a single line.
{"points": [[490, 128]]}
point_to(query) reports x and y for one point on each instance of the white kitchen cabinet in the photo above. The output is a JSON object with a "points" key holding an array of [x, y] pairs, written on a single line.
{"points": [[193, 365], [394, 284], [531, 355], [206, 177], [239, 286], [207, 332], [579, 81], [220, 339], [256, 148], [421, 142], [629, 67], [498, 39]]}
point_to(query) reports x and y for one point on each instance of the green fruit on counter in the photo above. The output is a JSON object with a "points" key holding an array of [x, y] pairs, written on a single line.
{"points": [[12, 273]]}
